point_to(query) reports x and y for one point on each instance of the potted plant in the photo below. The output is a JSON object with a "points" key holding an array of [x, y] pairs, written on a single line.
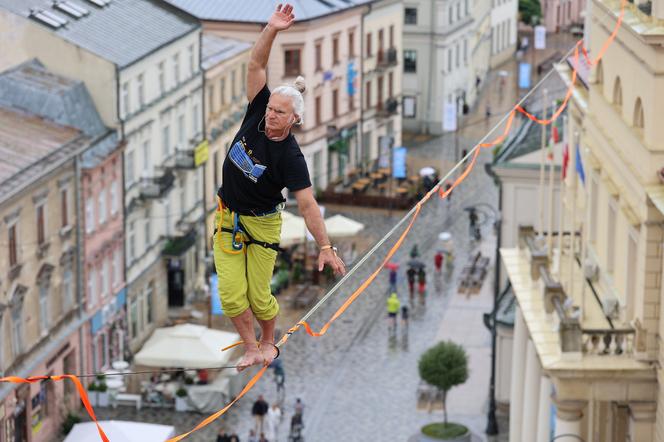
{"points": [[102, 394], [181, 400], [188, 380], [92, 393], [444, 366]]}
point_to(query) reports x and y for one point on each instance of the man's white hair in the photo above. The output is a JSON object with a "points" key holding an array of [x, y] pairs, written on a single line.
{"points": [[295, 92]]}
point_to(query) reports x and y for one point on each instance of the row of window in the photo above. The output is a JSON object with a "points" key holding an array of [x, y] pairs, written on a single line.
{"points": [[138, 86], [97, 211], [141, 310], [144, 153], [188, 197], [638, 119], [40, 225], [222, 101], [500, 36], [454, 55], [454, 13], [293, 56], [102, 279]]}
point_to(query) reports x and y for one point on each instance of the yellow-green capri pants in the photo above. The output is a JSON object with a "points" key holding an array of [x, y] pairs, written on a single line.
{"points": [[244, 275]]}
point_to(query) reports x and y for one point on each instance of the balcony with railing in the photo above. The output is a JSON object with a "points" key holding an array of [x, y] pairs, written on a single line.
{"points": [[157, 186], [388, 108], [570, 328], [386, 58]]}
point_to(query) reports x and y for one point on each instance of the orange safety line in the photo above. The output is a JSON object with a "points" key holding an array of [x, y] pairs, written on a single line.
{"points": [[216, 415], [79, 388], [437, 189]]}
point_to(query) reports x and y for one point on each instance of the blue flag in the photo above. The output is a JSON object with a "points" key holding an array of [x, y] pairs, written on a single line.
{"points": [[579, 165]]}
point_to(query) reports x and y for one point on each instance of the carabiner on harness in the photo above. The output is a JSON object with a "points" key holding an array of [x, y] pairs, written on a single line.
{"points": [[236, 240]]}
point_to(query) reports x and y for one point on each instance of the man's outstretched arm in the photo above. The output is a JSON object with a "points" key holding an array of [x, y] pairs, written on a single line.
{"points": [[281, 20]]}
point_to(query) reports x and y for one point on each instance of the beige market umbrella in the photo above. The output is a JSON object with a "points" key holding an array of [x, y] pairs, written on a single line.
{"points": [[293, 229], [339, 226]]}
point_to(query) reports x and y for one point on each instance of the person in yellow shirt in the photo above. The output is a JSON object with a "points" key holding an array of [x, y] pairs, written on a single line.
{"points": [[393, 306]]}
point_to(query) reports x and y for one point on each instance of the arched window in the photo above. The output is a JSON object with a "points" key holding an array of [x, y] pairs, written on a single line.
{"points": [[599, 73], [617, 92], [638, 114]]}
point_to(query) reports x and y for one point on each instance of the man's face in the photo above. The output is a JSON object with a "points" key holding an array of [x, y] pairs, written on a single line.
{"points": [[279, 113]]}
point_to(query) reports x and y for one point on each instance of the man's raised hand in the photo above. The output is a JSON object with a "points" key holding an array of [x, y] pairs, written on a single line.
{"points": [[282, 18]]}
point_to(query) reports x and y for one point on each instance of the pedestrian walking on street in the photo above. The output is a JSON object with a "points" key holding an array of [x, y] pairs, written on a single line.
{"points": [[235, 438], [448, 186], [438, 262], [223, 436], [272, 422], [393, 280], [393, 306], [297, 425], [258, 411], [299, 407], [422, 284], [410, 274], [405, 309], [252, 436], [264, 158], [263, 438]]}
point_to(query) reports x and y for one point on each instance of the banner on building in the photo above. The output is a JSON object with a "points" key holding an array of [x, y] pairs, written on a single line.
{"points": [[399, 162], [449, 117], [524, 75], [215, 305], [540, 37], [201, 153], [385, 143]]}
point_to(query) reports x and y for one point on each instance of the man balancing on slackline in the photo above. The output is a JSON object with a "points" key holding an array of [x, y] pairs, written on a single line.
{"points": [[263, 160]]}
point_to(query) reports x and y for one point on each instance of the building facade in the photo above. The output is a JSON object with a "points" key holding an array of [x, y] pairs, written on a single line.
{"points": [[103, 250], [438, 45], [587, 329], [562, 14], [504, 16], [224, 62], [151, 93], [382, 77], [42, 313]]}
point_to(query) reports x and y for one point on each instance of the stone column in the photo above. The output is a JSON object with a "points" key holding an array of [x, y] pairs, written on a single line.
{"points": [[642, 421], [544, 410], [531, 393], [518, 371], [568, 420]]}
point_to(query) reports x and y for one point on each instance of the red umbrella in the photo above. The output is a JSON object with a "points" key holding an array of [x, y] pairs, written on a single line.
{"points": [[391, 266]]}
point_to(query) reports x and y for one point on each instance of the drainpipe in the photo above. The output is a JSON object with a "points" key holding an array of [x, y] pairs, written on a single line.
{"points": [[361, 84], [79, 265]]}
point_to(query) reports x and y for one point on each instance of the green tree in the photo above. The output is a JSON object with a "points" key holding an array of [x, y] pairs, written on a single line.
{"points": [[444, 365], [529, 9]]}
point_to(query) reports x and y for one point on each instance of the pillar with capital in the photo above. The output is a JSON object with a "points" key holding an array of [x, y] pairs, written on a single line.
{"points": [[568, 420], [518, 372], [544, 410]]}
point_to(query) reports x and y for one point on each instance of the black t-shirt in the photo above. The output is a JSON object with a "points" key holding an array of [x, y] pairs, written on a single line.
{"points": [[276, 164]]}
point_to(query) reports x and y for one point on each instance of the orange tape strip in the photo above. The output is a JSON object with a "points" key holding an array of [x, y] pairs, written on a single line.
{"points": [[79, 388]]}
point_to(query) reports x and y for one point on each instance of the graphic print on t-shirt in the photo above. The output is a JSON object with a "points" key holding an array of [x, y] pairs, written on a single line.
{"points": [[238, 155]]}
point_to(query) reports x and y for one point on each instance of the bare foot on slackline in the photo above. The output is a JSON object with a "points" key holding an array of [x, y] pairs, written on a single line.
{"points": [[269, 352], [252, 356]]}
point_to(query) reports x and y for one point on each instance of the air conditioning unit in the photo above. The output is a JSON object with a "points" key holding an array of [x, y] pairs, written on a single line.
{"points": [[590, 270], [611, 306]]}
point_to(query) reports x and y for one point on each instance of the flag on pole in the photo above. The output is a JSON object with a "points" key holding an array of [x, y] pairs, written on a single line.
{"points": [[579, 165], [565, 160]]}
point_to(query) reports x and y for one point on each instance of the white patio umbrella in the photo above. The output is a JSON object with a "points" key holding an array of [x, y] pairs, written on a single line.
{"points": [[339, 226], [293, 229], [186, 346], [125, 431], [426, 171]]}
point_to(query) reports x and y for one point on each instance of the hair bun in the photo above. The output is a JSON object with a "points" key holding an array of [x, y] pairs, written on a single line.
{"points": [[299, 84]]}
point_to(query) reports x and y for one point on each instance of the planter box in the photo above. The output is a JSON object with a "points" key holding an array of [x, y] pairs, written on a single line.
{"points": [[464, 438], [181, 404], [102, 399]]}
